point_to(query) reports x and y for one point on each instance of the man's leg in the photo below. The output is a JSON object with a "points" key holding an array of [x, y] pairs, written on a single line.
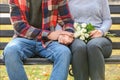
{"points": [[16, 51], [61, 56], [98, 48], [79, 60]]}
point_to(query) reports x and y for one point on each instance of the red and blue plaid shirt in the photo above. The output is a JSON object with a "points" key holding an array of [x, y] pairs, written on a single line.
{"points": [[53, 12]]}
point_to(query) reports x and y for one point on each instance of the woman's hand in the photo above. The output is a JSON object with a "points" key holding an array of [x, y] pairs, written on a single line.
{"points": [[96, 33]]}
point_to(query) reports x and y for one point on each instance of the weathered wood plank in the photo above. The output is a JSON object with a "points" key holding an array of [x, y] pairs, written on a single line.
{"points": [[9, 33], [116, 45], [115, 9], [4, 8], [6, 33], [114, 59], [6, 20], [32, 61]]}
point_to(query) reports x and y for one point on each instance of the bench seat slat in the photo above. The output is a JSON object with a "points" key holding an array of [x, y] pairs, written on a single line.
{"points": [[114, 59], [33, 61], [116, 45]]}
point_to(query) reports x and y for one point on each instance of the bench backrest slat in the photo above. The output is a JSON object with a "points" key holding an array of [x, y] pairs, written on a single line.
{"points": [[6, 33], [115, 20], [115, 9], [9, 33], [4, 8], [6, 20]]}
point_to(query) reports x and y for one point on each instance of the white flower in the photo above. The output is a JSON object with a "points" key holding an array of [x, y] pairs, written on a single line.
{"points": [[81, 33], [87, 35], [86, 41], [83, 25], [83, 30], [77, 34], [75, 24], [82, 37], [78, 28]]}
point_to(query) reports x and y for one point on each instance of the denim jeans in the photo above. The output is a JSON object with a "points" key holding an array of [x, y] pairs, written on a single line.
{"points": [[88, 59], [19, 49]]}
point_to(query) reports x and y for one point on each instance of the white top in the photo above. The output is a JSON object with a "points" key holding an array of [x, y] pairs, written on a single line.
{"points": [[95, 12]]}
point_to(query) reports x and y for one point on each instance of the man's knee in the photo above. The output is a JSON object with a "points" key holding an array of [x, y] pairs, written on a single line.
{"points": [[11, 52], [63, 53]]}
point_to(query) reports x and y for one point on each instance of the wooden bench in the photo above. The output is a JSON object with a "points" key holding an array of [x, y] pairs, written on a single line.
{"points": [[4, 8]]}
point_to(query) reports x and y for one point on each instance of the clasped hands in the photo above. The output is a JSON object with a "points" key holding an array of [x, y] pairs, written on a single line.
{"points": [[63, 37]]}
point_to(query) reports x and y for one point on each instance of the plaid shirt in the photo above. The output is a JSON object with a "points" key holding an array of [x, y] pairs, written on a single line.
{"points": [[53, 12]]}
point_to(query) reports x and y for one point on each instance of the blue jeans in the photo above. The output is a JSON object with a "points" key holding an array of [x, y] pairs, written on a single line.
{"points": [[19, 49]]}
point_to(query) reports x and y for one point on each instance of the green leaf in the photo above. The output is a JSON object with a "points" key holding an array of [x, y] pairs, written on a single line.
{"points": [[108, 34], [90, 27]]}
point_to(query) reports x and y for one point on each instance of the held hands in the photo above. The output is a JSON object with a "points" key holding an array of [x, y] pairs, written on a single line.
{"points": [[63, 37], [54, 35], [96, 33]]}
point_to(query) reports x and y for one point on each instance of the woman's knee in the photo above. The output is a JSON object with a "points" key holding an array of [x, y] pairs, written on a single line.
{"points": [[100, 45], [78, 46]]}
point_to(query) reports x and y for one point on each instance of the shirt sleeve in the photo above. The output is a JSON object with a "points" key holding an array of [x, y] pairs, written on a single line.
{"points": [[18, 16], [107, 21], [64, 16]]}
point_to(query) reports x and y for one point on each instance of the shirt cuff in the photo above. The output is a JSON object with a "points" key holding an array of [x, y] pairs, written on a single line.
{"points": [[45, 34]]}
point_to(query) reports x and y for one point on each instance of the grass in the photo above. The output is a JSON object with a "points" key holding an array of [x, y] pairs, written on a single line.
{"points": [[42, 72]]}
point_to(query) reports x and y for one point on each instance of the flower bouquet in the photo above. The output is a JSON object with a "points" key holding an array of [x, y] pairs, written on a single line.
{"points": [[82, 31]]}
